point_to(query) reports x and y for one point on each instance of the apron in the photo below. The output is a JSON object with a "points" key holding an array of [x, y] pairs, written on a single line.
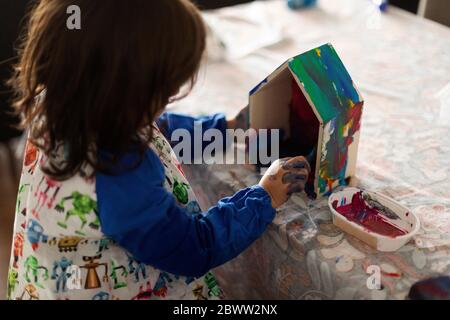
{"points": [[60, 253]]}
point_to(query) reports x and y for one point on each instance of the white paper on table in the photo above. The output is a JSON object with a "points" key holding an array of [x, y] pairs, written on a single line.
{"points": [[240, 33]]}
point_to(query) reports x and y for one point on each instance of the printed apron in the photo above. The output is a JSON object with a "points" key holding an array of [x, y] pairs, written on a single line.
{"points": [[60, 252]]}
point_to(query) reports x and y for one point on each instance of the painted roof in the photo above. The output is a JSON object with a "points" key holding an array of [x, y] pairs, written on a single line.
{"points": [[326, 81]]}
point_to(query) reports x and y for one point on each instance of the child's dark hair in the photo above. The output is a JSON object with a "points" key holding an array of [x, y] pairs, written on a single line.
{"points": [[105, 83]]}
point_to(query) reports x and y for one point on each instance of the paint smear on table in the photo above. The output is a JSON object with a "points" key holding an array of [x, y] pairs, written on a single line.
{"points": [[373, 218]]}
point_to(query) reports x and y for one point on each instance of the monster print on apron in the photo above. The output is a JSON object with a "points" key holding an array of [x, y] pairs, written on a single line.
{"points": [[60, 252]]}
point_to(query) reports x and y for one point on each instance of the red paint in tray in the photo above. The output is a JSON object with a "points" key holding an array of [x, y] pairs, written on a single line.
{"points": [[371, 217]]}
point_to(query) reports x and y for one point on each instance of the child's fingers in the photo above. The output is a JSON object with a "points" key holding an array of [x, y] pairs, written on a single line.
{"points": [[304, 171], [295, 188], [297, 163], [293, 177]]}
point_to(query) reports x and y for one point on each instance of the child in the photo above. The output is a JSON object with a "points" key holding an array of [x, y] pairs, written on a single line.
{"points": [[104, 210]]}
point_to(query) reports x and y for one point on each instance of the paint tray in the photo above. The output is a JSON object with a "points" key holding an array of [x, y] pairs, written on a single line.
{"points": [[393, 215]]}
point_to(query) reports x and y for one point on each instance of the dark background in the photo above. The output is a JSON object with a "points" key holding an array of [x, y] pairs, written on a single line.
{"points": [[410, 5], [11, 15]]}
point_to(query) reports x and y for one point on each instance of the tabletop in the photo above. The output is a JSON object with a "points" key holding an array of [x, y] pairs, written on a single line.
{"points": [[401, 64]]}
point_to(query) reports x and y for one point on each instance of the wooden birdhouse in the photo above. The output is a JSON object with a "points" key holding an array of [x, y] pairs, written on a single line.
{"points": [[313, 100]]}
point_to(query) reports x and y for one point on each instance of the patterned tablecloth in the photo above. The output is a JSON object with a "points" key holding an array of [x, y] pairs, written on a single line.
{"points": [[401, 63]]}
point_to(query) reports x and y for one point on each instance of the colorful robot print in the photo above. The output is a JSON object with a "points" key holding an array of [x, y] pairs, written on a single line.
{"points": [[20, 192], [162, 145], [137, 270], [13, 280], [160, 289], [162, 149], [69, 244], [63, 276], [180, 191], [18, 248], [103, 244], [82, 206], [178, 165], [35, 234], [180, 168], [42, 194], [102, 295], [92, 278], [83, 240], [211, 282], [117, 282], [144, 294], [198, 292], [31, 291], [31, 157], [32, 266]]}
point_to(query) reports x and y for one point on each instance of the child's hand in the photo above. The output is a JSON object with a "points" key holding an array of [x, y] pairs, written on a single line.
{"points": [[285, 177], [240, 121]]}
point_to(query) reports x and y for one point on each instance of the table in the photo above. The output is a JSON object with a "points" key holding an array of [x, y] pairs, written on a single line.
{"points": [[401, 64]]}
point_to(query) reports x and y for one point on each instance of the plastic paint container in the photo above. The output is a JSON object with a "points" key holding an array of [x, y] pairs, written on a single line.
{"points": [[397, 217]]}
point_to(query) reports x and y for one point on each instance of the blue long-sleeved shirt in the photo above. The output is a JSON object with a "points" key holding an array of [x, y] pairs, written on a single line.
{"points": [[144, 218]]}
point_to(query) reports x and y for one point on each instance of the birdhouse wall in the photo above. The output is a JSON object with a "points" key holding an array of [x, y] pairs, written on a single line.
{"points": [[338, 154], [333, 95], [269, 102]]}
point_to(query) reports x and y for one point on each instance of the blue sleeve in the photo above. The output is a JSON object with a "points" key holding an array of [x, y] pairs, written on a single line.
{"points": [[141, 216], [168, 122]]}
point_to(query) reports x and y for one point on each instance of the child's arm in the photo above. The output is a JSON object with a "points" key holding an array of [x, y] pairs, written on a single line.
{"points": [[141, 216], [168, 122]]}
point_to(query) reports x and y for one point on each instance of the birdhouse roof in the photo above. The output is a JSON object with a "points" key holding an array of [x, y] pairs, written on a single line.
{"points": [[324, 81]]}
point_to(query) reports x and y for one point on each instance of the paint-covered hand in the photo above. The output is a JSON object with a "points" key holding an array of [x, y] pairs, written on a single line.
{"points": [[240, 121], [285, 177]]}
